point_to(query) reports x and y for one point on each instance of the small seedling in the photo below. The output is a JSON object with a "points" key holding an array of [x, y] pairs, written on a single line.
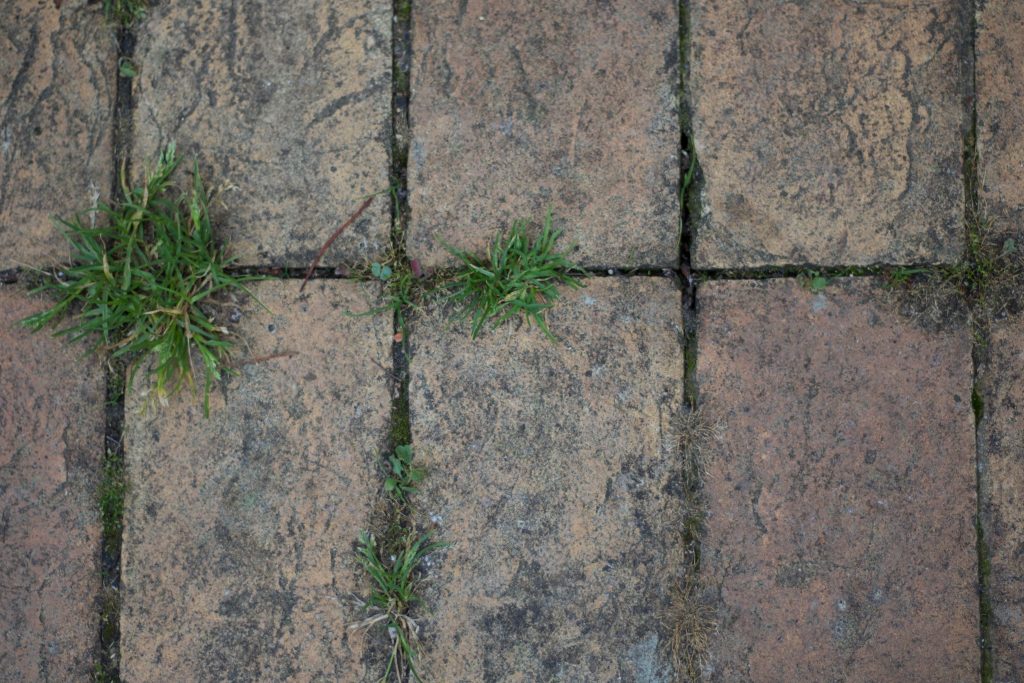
{"points": [[126, 69], [518, 278], [392, 595], [124, 12], [404, 289], [146, 281], [814, 281], [402, 476], [381, 271]]}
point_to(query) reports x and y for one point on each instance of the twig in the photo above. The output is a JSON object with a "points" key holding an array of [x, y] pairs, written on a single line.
{"points": [[329, 242]]}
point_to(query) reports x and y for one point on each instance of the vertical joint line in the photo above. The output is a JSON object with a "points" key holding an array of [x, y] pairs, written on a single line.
{"points": [[972, 209], [401, 53]]}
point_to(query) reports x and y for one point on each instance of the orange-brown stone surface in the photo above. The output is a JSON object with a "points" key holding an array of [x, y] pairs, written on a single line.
{"points": [[238, 558], [51, 445], [841, 499], [58, 62], [1000, 86], [1002, 490], [522, 106], [288, 103], [553, 473], [828, 132]]}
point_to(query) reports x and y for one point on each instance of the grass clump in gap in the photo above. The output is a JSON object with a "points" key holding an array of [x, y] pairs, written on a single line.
{"points": [[983, 286], [518, 278], [394, 591], [393, 565], [691, 622], [145, 283], [405, 288], [124, 12]]}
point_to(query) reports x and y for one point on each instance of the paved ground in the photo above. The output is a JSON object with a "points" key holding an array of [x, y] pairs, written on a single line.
{"points": [[852, 507]]}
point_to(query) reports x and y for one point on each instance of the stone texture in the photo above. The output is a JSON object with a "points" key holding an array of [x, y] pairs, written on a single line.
{"points": [[828, 132], [521, 106], [57, 71], [1002, 489], [51, 443], [1000, 85], [238, 558], [553, 474], [840, 534], [289, 103]]}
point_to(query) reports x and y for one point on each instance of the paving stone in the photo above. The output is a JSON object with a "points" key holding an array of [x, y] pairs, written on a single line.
{"points": [[58, 64], [521, 106], [840, 533], [828, 132], [238, 558], [51, 444], [1000, 86], [1002, 489], [553, 474], [288, 102]]}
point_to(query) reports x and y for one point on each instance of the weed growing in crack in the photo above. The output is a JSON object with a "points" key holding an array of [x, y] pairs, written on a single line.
{"points": [[393, 593], [405, 288], [813, 281], [696, 434], [393, 566], [983, 286], [124, 12], [403, 475], [691, 622], [518, 278], [147, 283]]}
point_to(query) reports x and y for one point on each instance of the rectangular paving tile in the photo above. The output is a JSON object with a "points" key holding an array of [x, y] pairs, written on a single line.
{"points": [[51, 445], [840, 532], [288, 102], [553, 473], [828, 132], [1000, 90], [522, 106], [1002, 491], [58, 64], [238, 558]]}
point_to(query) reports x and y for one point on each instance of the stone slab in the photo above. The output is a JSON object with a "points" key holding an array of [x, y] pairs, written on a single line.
{"points": [[238, 560], [1002, 490], [58, 63], [828, 132], [840, 534], [521, 106], [51, 446], [553, 474], [289, 103], [1000, 86]]}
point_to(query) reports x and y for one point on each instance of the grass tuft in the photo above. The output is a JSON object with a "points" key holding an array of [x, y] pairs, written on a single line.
{"points": [[518, 278], [147, 283], [691, 622], [394, 579], [124, 12], [983, 286], [696, 435]]}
